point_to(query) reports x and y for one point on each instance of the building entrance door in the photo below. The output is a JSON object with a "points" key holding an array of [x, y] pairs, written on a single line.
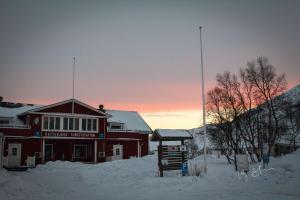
{"points": [[49, 152], [14, 155], [117, 152]]}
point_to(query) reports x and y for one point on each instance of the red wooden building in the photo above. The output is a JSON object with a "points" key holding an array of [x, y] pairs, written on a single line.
{"points": [[69, 130]]}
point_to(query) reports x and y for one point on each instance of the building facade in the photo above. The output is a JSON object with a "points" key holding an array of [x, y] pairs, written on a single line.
{"points": [[70, 130]]}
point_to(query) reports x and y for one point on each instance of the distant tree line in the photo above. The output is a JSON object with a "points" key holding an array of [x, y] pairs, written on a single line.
{"points": [[246, 112]]}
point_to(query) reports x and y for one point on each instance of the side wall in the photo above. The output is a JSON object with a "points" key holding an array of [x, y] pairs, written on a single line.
{"points": [[129, 140]]}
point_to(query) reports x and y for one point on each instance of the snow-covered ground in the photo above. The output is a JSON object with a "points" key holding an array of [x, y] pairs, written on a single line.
{"points": [[137, 179]]}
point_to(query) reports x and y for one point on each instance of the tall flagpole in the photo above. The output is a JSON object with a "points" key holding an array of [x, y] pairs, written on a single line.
{"points": [[73, 85], [203, 100]]}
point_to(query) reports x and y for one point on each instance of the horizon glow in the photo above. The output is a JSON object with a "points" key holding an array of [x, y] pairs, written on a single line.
{"points": [[140, 55]]}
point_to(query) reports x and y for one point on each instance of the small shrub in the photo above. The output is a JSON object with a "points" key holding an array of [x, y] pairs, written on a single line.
{"points": [[196, 170]]}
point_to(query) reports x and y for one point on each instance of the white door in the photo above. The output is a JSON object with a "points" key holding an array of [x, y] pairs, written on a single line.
{"points": [[14, 155], [117, 152]]}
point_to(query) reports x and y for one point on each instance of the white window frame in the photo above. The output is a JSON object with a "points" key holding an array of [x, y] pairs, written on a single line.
{"points": [[110, 124], [6, 119], [86, 124], [74, 119], [80, 145], [54, 125]]}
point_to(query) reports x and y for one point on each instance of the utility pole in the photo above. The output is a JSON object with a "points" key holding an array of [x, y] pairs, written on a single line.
{"points": [[203, 100], [73, 85]]}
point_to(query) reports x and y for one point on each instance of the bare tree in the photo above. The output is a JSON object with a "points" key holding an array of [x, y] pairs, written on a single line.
{"points": [[292, 122], [267, 85], [224, 106], [242, 106]]}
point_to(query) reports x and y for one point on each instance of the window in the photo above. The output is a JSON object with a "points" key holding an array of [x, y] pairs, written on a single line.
{"points": [[51, 125], [83, 124], [4, 121], [57, 123], [89, 127], [94, 124], [14, 151], [116, 126], [65, 123], [45, 123], [76, 124], [117, 152], [71, 123], [27, 120], [80, 150]]}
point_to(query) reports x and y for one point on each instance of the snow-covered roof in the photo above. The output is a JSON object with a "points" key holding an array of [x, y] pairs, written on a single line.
{"points": [[171, 134], [12, 113], [132, 121]]}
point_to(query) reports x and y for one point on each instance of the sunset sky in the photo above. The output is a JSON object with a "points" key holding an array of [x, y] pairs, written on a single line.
{"points": [[140, 55]]}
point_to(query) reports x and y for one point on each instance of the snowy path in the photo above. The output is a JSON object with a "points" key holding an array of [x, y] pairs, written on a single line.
{"points": [[137, 179]]}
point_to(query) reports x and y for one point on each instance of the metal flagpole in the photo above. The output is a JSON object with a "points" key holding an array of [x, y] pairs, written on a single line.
{"points": [[203, 100], [73, 85]]}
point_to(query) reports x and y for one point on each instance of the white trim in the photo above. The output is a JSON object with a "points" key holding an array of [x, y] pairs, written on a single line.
{"points": [[43, 150], [65, 102], [95, 151], [34, 137], [75, 145], [73, 138], [68, 114], [62, 124]]}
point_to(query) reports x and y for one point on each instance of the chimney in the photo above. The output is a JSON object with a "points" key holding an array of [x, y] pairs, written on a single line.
{"points": [[101, 107]]}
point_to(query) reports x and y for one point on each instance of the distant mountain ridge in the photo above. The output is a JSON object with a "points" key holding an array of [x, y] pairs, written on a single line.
{"points": [[292, 94]]}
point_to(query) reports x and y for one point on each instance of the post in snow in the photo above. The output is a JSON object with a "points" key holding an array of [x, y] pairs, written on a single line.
{"points": [[203, 100], [73, 85]]}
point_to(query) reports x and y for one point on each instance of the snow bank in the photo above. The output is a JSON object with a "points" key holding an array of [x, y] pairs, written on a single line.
{"points": [[138, 179]]}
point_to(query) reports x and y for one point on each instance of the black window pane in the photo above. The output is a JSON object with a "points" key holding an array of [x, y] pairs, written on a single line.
{"points": [[48, 151], [89, 125], [80, 151], [76, 124], [65, 123], [71, 122], [14, 151], [57, 123], [94, 124], [45, 122], [51, 125], [83, 124]]}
